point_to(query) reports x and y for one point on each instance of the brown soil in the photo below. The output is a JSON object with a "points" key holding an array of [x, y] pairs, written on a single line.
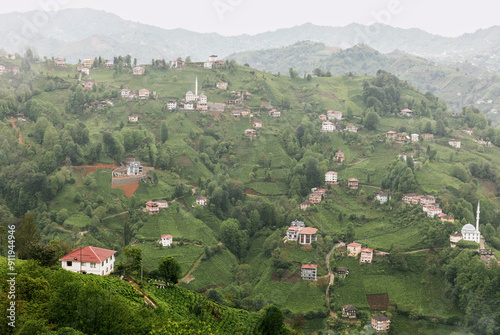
{"points": [[129, 189], [288, 277], [217, 114], [14, 125], [249, 191], [378, 301]]}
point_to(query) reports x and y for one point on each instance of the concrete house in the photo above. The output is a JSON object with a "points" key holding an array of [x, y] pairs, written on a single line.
{"points": [[138, 70], [305, 205], [331, 177], [349, 312], [202, 201], [144, 93], [87, 62], [134, 169], [250, 132], [391, 134], [152, 207], [93, 260], [339, 156], [381, 323], [59, 62], [406, 112], [125, 93], [382, 197], [328, 126], [351, 128], [352, 183], [454, 143], [309, 272], [171, 105], [165, 240], [162, 204], [133, 118], [308, 235], [353, 249], [366, 255]]}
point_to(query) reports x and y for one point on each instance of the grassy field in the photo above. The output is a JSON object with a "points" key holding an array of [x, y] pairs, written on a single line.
{"points": [[186, 255]]}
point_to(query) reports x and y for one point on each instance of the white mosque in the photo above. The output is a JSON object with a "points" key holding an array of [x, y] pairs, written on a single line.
{"points": [[469, 232]]}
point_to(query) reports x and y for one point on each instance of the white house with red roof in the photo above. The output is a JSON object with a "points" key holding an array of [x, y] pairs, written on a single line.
{"points": [[93, 260], [322, 117], [331, 177], [352, 183], [366, 255], [309, 272], [339, 156], [165, 240], [334, 115], [406, 112], [144, 93], [351, 128], [305, 205], [152, 207], [434, 211], [138, 70], [391, 134], [125, 93], [292, 233], [308, 235], [353, 249]]}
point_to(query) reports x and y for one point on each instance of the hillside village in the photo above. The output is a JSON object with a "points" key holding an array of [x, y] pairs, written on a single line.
{"points": [[346, 212]]}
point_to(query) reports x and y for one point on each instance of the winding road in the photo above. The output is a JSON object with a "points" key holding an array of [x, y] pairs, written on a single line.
{"points": [[331, 276]]}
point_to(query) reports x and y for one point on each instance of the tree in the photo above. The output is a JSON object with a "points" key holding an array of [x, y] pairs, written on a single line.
{"points": [[134, 258], [169, 270], [163, 131], [371, 120], [27, 238], [313, 174], [272, 321], [235, 240]]}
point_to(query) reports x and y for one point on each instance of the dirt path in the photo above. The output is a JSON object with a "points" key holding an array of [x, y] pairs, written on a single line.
{"points": [[331, 276], [135, 285], [112, 216], [188, 277], [14, 125], [383, 253]]}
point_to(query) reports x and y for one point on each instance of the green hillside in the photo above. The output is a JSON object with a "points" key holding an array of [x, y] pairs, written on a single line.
{"points": [[56, 187]]}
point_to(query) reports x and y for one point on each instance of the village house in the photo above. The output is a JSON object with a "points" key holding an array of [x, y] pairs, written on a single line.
{"points": [[162, 204], [297, 223], [381, 323], [455, 238], [309, 272], [339, 156], [446, 218], [406, 112], [404, 156], [165, 240], [401, 138], [202, 107], [93, 260], [222, 85], [110, 65], [315, 197], [9, 56], [415, 137], [125, 93], [391, 134], [331, 177], [245, 112], [382, 197], [305, 205], [171, 105], [86, 71], [203, 99], [343, 272], [432, 212], [427, 136], [133, 118], [257, 124], [349, 312], [468, 131], [138, 70], [351, 128], [308, 235], [134, 169], [428, 200], [366, 255], [454, 143], [322, 117], [407, 198], [292, 233], [250, 132], [89, 84], [274, 113], [353, 249], [2, 69], [152, 207], [59, 62], [144, 93], [328, 127], [334, 115], [236, 113], [202, 201], [87, 62], [352, 183], [188, 106]]}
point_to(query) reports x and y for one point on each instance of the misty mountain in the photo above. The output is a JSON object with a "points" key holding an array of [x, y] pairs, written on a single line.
{"points": [[77, 33], [460, 84]]}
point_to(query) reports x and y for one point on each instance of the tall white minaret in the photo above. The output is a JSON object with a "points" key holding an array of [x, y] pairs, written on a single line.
{"points": [[477, 217], [196, 87]]}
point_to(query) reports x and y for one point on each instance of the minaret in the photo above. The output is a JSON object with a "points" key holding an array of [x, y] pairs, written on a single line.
{"points": [[196, 87], [477, 217]]}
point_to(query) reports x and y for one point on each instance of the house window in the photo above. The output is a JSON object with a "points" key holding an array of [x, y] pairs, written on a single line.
{"points": [[102, 264], [69, 263], [111, 267], [106, 270], [84, 264], [92, 265], [106, 261]]}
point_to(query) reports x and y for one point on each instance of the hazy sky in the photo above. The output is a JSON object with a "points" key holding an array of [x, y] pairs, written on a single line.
{"points": [[234, 17]]}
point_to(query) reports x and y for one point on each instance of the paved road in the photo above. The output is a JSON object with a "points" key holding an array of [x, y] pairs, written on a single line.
{"points": [[331, 276]]}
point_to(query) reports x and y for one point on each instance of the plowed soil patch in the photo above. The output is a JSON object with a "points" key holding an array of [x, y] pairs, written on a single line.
{"points": [[129, 189]]}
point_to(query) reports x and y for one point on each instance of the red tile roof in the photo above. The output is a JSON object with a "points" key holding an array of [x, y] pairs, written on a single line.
{"points": [[166, 236], [309, 266], [366, 250], [308, 231], [354, 244], [88, 254]]}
